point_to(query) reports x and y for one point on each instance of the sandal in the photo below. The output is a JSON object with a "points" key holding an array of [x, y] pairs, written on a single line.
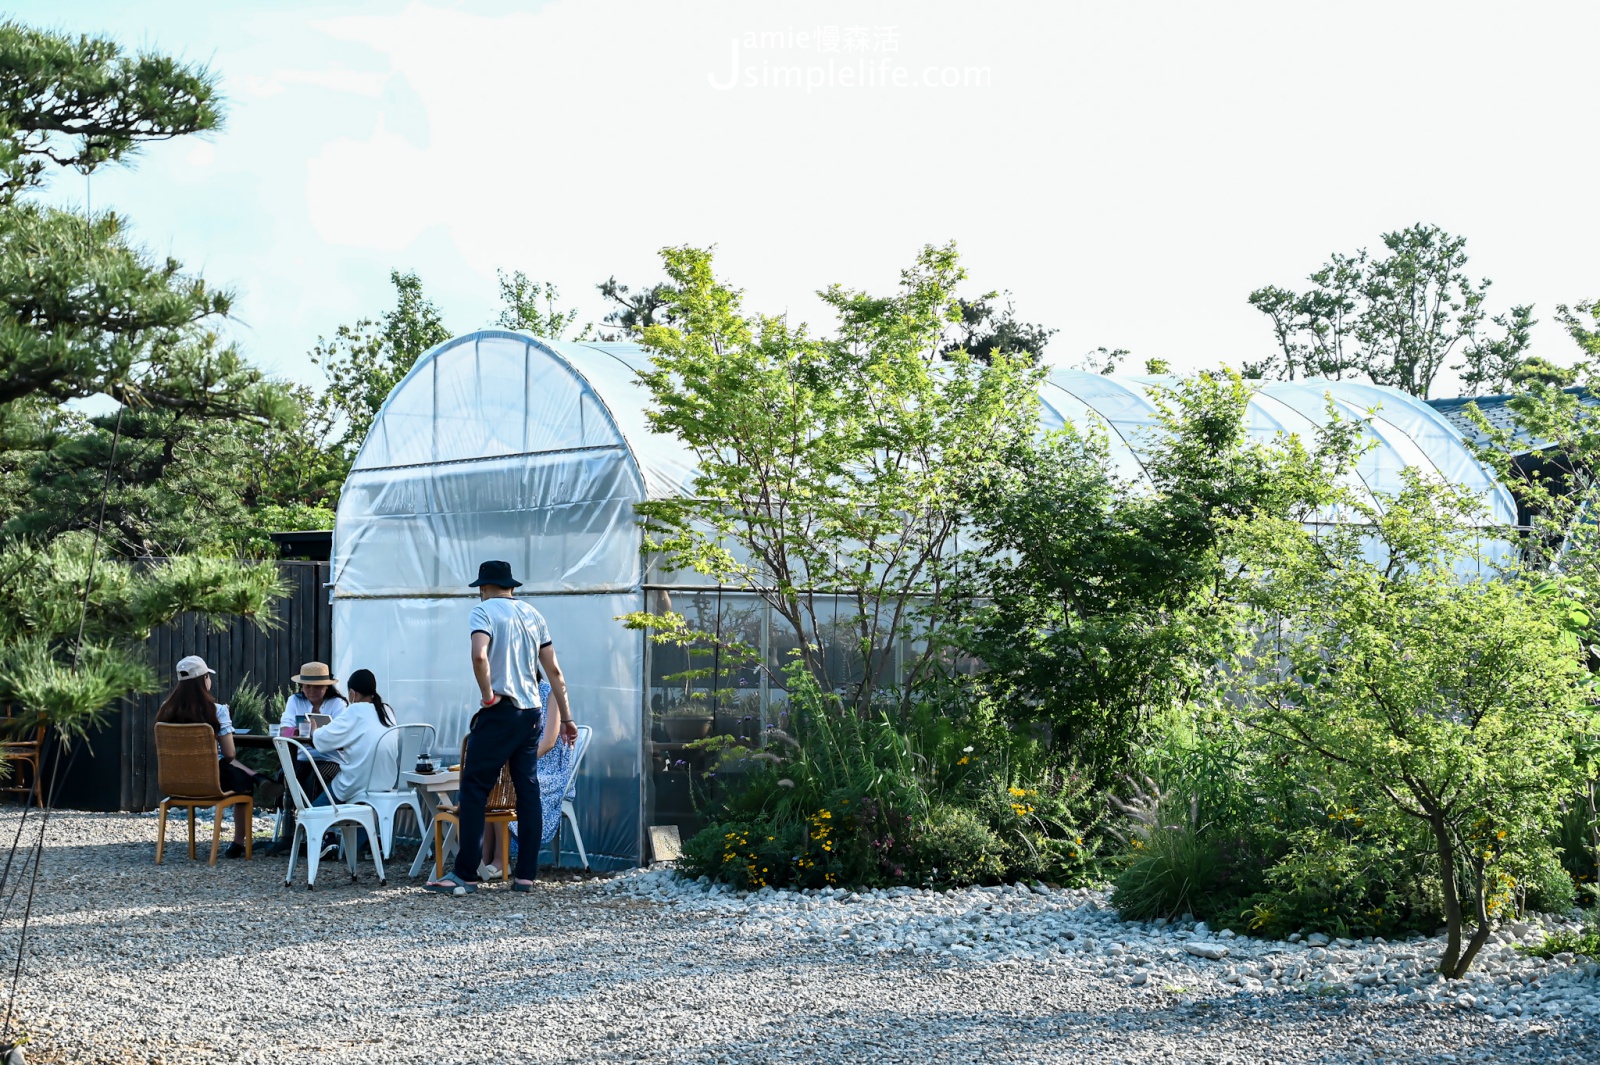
{"points": [[450, 884], [235, 850], [517, 885]]}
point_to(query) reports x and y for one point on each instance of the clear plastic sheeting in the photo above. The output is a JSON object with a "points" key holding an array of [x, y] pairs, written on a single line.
{"points": [[419, 650], [1405, 431], [502, 446]]}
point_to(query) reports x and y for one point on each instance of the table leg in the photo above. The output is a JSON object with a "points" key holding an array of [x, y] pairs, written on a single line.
{"points": [[430, 804]]}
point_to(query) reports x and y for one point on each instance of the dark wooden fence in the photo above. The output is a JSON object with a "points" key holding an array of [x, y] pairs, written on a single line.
{"points": [[116, 768]]}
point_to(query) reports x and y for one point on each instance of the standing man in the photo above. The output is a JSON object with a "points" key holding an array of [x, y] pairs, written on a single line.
{"points": [[510, 641]]}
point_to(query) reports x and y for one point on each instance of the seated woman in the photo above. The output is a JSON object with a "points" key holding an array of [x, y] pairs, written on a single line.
{"points": [[351, 739], [319, 694], [191, 702]]}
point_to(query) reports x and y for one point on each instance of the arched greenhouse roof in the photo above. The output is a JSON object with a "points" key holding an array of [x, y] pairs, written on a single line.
{"points": [[496, 394]]}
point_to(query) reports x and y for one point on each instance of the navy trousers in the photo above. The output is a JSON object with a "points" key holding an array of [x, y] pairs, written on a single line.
{"points": [[502, 734]]}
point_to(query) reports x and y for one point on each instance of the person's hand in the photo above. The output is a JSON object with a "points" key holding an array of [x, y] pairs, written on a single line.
{"points": [[488, 700], [569, 732]]}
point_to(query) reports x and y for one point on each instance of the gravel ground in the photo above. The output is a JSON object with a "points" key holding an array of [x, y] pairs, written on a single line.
{"points": [[130, 962]]}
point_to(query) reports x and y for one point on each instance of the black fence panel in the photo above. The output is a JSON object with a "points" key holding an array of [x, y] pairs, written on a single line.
{"points": [[115, 768]]}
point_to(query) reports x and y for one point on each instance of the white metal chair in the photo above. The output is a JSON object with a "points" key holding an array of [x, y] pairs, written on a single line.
{"points": [[569, 813], [389, 795], [311, 822]]}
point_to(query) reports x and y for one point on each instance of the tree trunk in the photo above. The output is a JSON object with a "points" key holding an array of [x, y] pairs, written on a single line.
{"points": [[1452, 901], [1480, 935], [1594, 830]]}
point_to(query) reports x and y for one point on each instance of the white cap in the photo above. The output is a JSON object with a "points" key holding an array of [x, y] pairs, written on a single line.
{"points": [[192, 667]]}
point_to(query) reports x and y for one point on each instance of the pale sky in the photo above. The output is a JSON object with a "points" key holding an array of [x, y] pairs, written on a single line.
{"points": [[1129, 171]]}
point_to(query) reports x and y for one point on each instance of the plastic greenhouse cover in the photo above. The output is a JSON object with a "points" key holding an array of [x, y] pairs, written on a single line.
{"points": [[564, 520], [482, 396], [418, 648]]}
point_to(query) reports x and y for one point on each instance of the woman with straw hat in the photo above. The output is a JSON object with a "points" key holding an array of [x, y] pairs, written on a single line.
{"points": [[319, 694]]}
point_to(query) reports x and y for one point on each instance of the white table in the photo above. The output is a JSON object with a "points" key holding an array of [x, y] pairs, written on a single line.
{"points": [[432, 789]]}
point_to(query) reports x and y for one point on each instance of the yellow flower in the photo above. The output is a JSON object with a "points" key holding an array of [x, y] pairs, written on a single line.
{"points": [[1016, 793], [962, 760], [1500, 834]]}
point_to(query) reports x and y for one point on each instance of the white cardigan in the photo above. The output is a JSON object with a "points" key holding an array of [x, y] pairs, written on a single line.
{"points": [[351, 739]]}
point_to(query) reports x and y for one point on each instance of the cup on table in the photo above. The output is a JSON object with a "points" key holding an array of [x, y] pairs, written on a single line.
{"points": [[286, 731]]}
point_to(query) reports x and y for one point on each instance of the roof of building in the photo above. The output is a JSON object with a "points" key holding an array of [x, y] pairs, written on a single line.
{"points": [[1496, 410]]}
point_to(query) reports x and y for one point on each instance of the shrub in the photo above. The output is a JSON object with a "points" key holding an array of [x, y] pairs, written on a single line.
{"points": [[1535, 880], [1345, 886], [1456, 699], [1172, 871], [1171, 867], [1585, 943], [845, 798], [1573, 840], [955, 848]]}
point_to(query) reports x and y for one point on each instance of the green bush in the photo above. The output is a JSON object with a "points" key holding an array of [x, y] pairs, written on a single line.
{"points": [[1574, 843], [1585, 943], [1171, 871], [1345, 885], [1536, 880], [847, 798], [956, 848]]}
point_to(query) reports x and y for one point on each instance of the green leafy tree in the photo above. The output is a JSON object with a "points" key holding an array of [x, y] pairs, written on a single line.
{"points": [[1582, 323], [1550, 461], [174, 477], [531, 306], [635, 310], [80, 102], [1395, 319], [364, 361], [832, 472], [67, 678], [294, 471], [85, 308], [86, 313], [1535, 369], [1550, 458], [987, 328], [1105, 603], [1458, 700]]}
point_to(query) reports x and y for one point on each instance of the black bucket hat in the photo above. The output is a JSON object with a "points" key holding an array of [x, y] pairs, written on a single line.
{"points": [[497, 574]]}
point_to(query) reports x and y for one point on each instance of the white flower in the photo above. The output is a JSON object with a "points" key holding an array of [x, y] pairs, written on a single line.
{"points": [[966, 750]]}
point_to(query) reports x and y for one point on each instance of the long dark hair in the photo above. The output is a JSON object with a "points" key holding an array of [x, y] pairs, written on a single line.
{"points": [[190, 703], [362, 682]]}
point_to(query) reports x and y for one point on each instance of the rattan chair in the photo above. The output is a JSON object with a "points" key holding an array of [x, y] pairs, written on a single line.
{"points": [[187, 770], [501, 811], [17, 749]]}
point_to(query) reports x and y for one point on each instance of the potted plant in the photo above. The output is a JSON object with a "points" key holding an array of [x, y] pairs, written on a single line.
{"points": [[686, 722]]}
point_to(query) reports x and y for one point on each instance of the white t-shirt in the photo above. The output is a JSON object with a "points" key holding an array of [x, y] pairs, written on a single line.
{"points": [[351, 739], [224, 725], [516, 633]]}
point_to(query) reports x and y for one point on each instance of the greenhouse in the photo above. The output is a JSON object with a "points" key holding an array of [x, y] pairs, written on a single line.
{"points": [[499, 445]]}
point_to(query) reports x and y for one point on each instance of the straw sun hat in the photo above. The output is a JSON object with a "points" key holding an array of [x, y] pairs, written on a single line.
{"points": [[314, 673]]}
